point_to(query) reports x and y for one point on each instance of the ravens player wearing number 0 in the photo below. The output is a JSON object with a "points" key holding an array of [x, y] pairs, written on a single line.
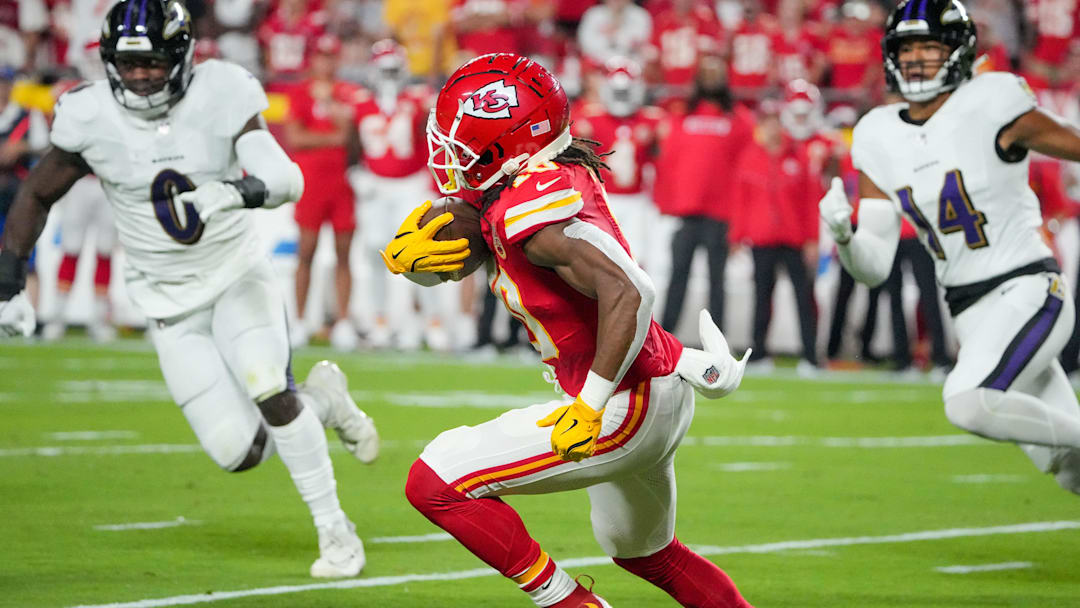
{"points": [[562, 267], [953, 159], [183, 155]]}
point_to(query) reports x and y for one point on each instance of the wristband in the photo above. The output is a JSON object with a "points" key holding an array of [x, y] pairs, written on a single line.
{"points": [[596, 391], [252, 191]]}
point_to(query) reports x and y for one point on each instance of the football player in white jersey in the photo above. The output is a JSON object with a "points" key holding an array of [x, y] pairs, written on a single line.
{"points": [[171, 144], [953, 159]]}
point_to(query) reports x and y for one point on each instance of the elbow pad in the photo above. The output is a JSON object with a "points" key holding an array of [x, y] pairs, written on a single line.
{"points": [[261, 156]]}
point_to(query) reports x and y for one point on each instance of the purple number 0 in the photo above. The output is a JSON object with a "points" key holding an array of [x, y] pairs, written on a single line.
{"points": [[165, 186], [955, 214]]}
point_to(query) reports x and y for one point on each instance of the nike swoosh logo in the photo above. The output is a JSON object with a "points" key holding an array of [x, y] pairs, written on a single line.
{"points": [[399, 253], [570, 427], [546, 585], [542, 187]]}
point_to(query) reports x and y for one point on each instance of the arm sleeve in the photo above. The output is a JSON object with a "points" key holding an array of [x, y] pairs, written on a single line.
{"points": [[869, 254], [641, 281], [261, 157]]}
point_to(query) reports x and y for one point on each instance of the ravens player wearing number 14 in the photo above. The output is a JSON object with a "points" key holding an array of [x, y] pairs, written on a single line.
{"points": [[954, 161], [171, 144]]}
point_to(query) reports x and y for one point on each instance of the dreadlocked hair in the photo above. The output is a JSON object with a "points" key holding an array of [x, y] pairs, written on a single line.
{"points": [[581, 151]]}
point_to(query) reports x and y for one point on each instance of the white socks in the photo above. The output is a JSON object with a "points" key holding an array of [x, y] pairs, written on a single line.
{"points": [[1012, 416], [302, 447], [558, 587]]}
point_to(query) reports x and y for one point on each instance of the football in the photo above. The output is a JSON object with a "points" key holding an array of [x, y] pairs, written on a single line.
{"points": [[466, 225]]}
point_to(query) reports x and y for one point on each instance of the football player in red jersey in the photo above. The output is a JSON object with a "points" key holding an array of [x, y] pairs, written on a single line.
{"points": [[562, 267], [626, 131], [389, 161]]}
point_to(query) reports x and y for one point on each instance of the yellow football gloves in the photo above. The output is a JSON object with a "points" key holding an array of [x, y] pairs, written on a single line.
{"points": [[415, 249], [575, 428]]}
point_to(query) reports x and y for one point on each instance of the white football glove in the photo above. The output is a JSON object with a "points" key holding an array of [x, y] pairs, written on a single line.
{"points": [[713, 372], [211, 198], [17, 317], [836, 211]]}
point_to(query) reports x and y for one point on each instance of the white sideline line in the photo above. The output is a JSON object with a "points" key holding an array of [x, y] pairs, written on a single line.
{"points": [[148, 525], [984, 568], [423, 538], [386, 581]]}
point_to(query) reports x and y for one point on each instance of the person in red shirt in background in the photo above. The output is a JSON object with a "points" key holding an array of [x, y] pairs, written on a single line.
{"points": [[680, 34], [803, 117], [751, 51], [774, 215], [795, 47], [853, 48], [315, 132], [1056, 25], [627, 133], [694, 177], [285, 37], [486, 26], [388, 155], [993, 55]]}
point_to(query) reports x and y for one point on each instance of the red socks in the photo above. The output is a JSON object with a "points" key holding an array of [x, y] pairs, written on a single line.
{"points": [[692, 580], [66, 274], [492, 530], [488, 527], [102, 273]]}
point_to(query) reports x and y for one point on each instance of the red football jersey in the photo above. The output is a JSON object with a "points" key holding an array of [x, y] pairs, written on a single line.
{"points": [[820, 150], [794, 54], [631, 141], [393, 138], [1057, 24], [851, 55], [312, 109], [285, 43], [678, 40], [752, 54], [561, 322]]}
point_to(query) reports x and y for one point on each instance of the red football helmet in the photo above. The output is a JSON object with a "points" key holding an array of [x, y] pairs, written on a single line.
{"points": [[496, 115], [623, 91], [802, 114]]}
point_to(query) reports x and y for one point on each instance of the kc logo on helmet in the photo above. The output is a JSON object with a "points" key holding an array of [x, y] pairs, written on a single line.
{"points": [[492, 101]]}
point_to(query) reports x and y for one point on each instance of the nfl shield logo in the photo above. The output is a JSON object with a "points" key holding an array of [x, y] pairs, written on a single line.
{"points": [[711, 375]]}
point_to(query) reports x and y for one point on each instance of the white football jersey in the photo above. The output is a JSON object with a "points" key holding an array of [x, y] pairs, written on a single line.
{"points": [[175, 263], [974, 211]]}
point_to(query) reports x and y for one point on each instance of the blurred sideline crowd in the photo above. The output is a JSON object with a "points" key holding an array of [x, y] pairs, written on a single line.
{"points": [[724, 122]]}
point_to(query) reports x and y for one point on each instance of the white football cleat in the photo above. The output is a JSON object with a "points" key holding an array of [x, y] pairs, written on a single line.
{"points": [[341, 552], [354, 427], [343, 336]]}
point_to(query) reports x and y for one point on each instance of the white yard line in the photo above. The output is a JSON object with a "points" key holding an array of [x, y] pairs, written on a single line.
{"points": [[984, 568], [388, 581], [988, 478], [148, 525], [767, 441], [745, 467], [90, 435], [423, 538]]}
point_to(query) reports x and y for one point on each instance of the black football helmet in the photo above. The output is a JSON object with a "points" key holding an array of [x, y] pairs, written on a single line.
{"points": [[945, 21], [159, 29]]}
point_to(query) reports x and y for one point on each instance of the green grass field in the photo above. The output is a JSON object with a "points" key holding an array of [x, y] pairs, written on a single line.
{"points": [[849, 491]]}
